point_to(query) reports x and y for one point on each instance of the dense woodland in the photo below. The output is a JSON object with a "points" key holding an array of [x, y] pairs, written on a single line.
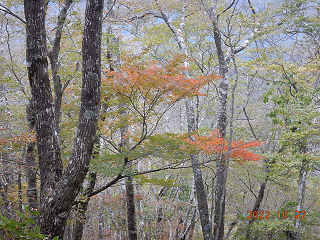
{"points": [[160, 119]]}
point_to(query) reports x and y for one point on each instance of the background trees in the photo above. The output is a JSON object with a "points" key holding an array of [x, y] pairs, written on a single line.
{"points": [[233, 86]]}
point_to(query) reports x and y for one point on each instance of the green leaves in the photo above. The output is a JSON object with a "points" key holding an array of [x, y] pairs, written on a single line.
{"points": [[23, 228]]}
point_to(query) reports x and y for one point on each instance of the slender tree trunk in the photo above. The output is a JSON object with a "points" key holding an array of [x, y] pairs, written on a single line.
{"points": [[20, 190], [4, 195], [189, 104], [131, 208], [54, 62], [80, 213], [301, 195], [222, 163], [256, 206], [32, 191], [100, 220]]}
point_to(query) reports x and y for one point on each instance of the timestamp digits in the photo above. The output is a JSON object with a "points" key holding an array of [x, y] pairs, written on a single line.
{"points": [[280, 215]]}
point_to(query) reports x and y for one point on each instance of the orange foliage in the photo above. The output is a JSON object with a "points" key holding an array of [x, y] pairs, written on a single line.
{"points": [[152, 81], [213, 144]]}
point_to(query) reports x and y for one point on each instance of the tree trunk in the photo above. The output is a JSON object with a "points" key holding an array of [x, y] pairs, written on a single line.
{"points": [[189, 104], [80, 213], [100, 220], [47, 140], [256, 206], [54, 62], [4, 195], [222, 163], [131, 210], [19, 189], [32, 191], [57, 192]]}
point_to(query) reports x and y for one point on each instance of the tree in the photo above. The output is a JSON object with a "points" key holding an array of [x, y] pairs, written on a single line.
{"points": [[58, 190]]}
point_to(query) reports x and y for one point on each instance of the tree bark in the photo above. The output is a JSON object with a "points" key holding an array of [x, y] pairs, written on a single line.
{"points": [[131, 210], [54, 62], [57, 192], [8, 212], [256, 206], [80, 214], [47, 139], [32, 191], [222, 161], [189, 104]]}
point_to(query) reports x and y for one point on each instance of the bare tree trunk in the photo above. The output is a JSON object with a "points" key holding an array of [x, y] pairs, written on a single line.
{"points": [[54, 61], [222, 164], [3, 192], [256, 206], [189, 104], [19, 189], [32, 191], [301, 195], [47, 140], [82, 206], [222, 161], [140, 214], [100, 220]]}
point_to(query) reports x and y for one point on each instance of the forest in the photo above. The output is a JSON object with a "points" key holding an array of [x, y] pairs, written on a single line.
{"points": [[160, 119]]}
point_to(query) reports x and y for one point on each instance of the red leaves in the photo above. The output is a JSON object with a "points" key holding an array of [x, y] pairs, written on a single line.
{"points": [[213, 144]]}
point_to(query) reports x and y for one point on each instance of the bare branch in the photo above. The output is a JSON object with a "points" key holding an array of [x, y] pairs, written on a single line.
{"points": [[8, 11]]}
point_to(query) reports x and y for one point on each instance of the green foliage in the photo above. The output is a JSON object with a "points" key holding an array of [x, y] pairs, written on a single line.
{"points": [[21, 229], [142, 179], [166, 147]]}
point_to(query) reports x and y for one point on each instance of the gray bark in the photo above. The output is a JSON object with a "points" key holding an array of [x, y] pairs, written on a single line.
{"points": [[47, 140], [222, 161], [81, 208], [3, 192], [256, 206], [57, 192], [189, 104], [54, 62], [32, 191], [131, 210]]}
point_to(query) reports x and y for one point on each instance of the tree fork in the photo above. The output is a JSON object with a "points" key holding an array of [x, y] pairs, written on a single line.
{"points": [[58, 191]]}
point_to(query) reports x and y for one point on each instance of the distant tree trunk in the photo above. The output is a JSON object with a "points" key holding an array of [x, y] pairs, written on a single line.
{"points": [[57, 191], [140, 214], [82, 206], [19, 189], [32, 191], [256, 206], [131, 207], [222, 161], [301, 195], [54, 62], [100, 221], [190, 113], [4, 195]]}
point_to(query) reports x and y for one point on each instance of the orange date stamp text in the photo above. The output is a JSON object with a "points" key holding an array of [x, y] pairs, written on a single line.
{"points": [[280, 215]]}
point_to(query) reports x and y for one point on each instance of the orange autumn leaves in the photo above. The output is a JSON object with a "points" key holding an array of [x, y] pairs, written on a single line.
{"points": [[148, 86], [213, 144], [153, 82]]}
